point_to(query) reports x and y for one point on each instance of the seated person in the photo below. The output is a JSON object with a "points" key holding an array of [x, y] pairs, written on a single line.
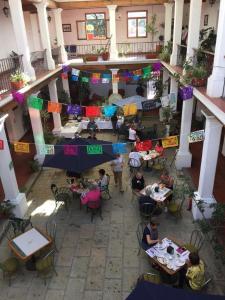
{"points": [[138, 182], [135, 159], [194, 275], [103, 180], [159, 148], [92, 197], [150, 235], [147, 199], [92, 126], [167, 180]]}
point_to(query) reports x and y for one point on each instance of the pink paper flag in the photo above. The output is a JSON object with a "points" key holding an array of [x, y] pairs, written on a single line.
{"points": [[70, 150]]}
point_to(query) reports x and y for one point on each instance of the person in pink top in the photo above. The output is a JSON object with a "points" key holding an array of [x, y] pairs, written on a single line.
{"points": [[92, 197]]}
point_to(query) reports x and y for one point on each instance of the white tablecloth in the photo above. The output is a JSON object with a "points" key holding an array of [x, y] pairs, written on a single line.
{"points": [[102, 124]]}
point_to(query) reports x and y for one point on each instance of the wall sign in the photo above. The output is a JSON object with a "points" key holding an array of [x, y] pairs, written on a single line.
{"points": [[66, 27], [196, 136], [94, 149], [150, 104], [171, 141]]}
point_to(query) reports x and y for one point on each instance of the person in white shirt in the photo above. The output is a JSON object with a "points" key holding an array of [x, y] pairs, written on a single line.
{"points": [[103, 179], [117, 167], [135, 159], [132, 134]]}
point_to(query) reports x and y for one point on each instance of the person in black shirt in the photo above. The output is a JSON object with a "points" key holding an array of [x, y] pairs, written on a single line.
{"points": [[114, 120], [138, 182], [150, 235]]}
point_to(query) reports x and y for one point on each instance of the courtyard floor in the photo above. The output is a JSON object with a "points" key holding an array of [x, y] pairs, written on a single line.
{"points": [[98, 261]]}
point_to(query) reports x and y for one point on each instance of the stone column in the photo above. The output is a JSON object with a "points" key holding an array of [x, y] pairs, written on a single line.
{"points": [[165, 81], [66, 86], [223, 148], [174, 89], [112, 26], [54, 97], [168, 22], [210, 152], [184, 156], [35, 32], [216, 80], [59, 33], [178, 19], [44, 31], [194, 27], [8, 177], [19, 28], [36, 124], [114, 84]]}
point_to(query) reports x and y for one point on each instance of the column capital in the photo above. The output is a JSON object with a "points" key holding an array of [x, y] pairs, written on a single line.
{"points": [[168, 5], [41, 5], [111, 7], [57, 11]]}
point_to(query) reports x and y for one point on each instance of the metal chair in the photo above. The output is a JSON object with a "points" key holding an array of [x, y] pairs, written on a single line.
{"points": [[62, 194], [196, 241], [159, 164], [9, 267], [175, 208], [134, 165], [139, 232], [50, 228], [19, 225], [147, 210], [150, 277], [105, 194], [46, 265]]}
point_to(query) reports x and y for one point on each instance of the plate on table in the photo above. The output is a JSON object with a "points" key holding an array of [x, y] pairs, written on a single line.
{"points": [[180, 263], [170, 266], [162, 260]]}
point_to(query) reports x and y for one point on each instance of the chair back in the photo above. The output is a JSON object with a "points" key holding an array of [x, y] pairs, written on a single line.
{"points": [[134, 163], [51, 229], [139, 232], [108, 181], [54, 189], [19, 225], [197, 239], [147, 209]]}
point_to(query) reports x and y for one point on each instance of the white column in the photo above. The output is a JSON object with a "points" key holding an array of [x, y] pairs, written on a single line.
{"points": [[8, 177], [19, 29], [54, 97], [178, 19], [198, 111], [174, 89], [35, 118], [184, 156], [112, 26], [216, 80], [59, 33], [114, 84], [165, 81], [223, 148], [168, 22], [44, 30], [194, 27], [35, 32], [210, 152], [65, 84]]}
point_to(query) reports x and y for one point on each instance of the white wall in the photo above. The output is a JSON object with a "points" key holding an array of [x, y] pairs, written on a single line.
{"points": [[71, 16], [14, 124]]}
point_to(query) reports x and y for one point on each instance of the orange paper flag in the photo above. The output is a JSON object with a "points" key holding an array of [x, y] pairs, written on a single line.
{"points": [[21, 147], [54, 107]]}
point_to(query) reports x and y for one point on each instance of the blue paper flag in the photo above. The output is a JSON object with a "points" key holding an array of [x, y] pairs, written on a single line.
{"points": [[109, 110], [119, 148], [74, 78]]}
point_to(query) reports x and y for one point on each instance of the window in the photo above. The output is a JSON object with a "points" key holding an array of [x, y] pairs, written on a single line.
{"points": [[96, 26], [136, 24]]}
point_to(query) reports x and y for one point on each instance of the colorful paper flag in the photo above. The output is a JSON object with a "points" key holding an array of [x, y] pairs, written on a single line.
{"points": [[137, 72], [136, 77], [196, 136], [54, 107], [96, 75], [109, 110], [47, 149], [105, 80], [74, 109], [94, 149], [21, 147], [157, 66], [147, 71], [74, 78], [93, 111], [1, 145], [35, 102], [85, 79], [66, 68], [95, 80], [70, 150], [119, 148], [75, 72], [64, 76], [171, 141], [18, 97]]}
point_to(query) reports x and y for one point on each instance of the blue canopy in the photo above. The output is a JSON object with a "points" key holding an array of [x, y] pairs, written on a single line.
{"points": [[149, 291], [82, 161]]}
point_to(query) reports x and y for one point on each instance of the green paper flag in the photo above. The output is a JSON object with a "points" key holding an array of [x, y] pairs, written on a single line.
{"points": [[84, 79], [35, 102], [147, 71], [94, 149]]}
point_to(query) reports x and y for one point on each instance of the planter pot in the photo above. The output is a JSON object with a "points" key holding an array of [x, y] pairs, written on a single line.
{"points": [[197, 82], [17, 85], [91, 58], [158, 48], [105, 56], [151, 55]]}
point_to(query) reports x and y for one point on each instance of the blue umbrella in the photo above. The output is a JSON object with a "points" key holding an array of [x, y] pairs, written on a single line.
{"points": [[82, 161]]}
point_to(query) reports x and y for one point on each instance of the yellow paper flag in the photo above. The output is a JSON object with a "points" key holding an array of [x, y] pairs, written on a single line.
{"points": [[171, 141], [22, 147]]}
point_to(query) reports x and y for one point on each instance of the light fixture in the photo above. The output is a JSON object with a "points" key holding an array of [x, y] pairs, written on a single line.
{"points": [[5, 9], [49, 19], [211, 2]]}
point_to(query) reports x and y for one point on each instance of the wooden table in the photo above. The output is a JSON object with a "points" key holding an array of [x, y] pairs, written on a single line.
{"points": [[175, 244], [160, 196], [28, 243]]}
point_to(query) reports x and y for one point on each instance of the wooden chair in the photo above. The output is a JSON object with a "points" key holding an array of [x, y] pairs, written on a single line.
{"points": [[9, 267], [62, 194], [45, 265], [196, 241]]}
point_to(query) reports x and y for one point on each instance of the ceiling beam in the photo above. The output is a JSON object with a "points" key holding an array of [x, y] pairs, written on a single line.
{"points": [[104, 3]]}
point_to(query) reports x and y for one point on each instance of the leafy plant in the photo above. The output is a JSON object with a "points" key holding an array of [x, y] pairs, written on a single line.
{"points": [[151, 27], [167, 114], [19, 76], [6, 208], [34, 165], [209, 42], [64, 97], [166, 52]]}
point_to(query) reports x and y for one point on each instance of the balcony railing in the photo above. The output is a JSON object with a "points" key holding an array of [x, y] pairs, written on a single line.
{"points": [[181, 54], [204, 57], [56, 55], [139, 48], [90, 49], [7, 67], [39, 61]]}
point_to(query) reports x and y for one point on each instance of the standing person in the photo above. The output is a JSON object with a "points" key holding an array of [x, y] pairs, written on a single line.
{"points": [[117, 167], [114, 120], [132, 134], [184, 35], [103, 179]]}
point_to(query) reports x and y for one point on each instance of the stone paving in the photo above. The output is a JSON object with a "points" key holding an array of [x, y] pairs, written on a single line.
{"points": [[96, 261]]}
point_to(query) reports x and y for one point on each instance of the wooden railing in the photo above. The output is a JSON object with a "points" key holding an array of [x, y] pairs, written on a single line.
{"points": [[7, 67]]}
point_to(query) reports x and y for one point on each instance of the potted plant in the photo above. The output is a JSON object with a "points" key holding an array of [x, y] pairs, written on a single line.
{"points": [[166, 52], [195, 75], [152, 29], [160, 46], [93, 56], [167, 116], [6, 209], [18, 80]]}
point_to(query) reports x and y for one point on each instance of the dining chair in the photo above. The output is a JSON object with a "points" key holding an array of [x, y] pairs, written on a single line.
{"points": [[62, 194], [159, 164], [19, 225], [45, 265], [139, 233], [134, 165], [196, 241], [9, 267], [147, 210], [105, 194], [150, 277], [175, 207], [51, 228]]}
